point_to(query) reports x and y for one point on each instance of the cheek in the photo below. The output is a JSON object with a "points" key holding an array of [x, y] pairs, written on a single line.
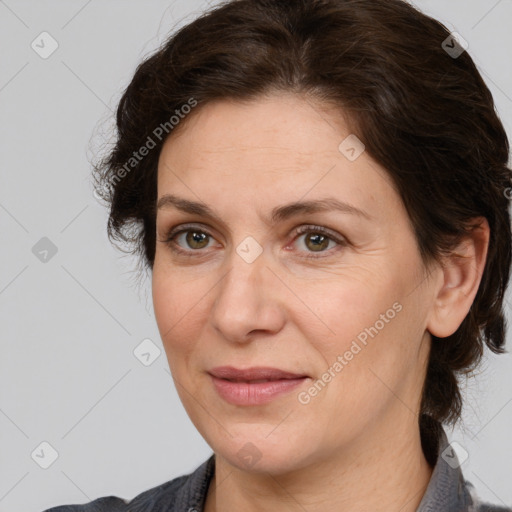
{"points": [[363, 328], [173, 306], [162, 302], [181, 306], [346, 308]]}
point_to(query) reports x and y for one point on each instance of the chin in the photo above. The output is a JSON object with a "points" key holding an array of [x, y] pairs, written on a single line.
{"points": [[258, 452]]}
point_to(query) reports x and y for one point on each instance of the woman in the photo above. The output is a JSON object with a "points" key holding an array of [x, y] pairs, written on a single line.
{"points": [[320, 189]]}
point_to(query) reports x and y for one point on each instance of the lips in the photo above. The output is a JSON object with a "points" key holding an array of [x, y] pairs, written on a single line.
{"points": [[253, 386], [254, 374]]}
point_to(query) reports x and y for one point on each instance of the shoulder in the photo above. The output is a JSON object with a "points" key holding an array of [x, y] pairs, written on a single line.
{"points": [[186, 492], [487, 507], [110, 504], [479, 505], [156, 499]]}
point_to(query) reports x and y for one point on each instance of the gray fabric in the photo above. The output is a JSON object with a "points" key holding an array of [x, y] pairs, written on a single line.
{"points": [[447, 491]]}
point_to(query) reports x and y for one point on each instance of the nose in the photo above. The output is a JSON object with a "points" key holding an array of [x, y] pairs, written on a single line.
{"points": [[250, 300]]}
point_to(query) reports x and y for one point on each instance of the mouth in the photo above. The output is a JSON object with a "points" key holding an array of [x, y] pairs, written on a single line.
{"points": [[253, 386], [254, 381], [253, 374]]}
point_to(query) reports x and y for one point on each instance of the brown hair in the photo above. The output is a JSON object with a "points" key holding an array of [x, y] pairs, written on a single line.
{"points": [[425, 115]]}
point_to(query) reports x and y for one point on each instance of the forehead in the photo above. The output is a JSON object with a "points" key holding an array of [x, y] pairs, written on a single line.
{"points": [[277, 126], [279, 146]]}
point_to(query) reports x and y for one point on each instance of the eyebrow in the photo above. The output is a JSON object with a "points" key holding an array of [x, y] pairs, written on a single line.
{"points": [[278, 214]]}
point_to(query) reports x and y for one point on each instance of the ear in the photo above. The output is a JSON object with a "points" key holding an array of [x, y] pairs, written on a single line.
{"points": [[462, 272]]}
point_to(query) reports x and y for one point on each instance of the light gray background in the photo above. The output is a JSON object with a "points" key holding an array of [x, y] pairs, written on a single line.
{"points": [[68, 375]]}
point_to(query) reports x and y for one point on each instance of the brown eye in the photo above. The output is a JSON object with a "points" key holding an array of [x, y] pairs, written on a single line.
{"points": [[317, 239], [318, 242], [187, 240], [196, 239]]}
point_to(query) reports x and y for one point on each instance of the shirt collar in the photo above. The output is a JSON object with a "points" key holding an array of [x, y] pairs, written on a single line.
{"points": [[447, 489], [192, 495]]}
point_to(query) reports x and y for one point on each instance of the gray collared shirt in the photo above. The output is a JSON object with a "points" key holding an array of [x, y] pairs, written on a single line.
{"points": [[447, 491]]}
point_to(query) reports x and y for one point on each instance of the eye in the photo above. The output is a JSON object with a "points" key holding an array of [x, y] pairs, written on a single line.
{"points": [[316, 241], [193, 236]]}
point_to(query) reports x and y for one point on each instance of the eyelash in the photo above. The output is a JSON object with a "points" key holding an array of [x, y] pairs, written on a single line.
{"points": [[173, 233]]}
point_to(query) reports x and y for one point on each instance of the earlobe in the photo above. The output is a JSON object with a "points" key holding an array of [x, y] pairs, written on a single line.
{"points": [[462, 272]]}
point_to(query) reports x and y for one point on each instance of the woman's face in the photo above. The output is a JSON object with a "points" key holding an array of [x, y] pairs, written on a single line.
{"points": [[347, 308]]}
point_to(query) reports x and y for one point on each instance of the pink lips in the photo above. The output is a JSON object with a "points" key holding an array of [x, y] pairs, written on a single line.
{"points": [[253, 386]]}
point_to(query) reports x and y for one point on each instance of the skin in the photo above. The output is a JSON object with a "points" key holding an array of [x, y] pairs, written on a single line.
{"points": [[355, 446]]}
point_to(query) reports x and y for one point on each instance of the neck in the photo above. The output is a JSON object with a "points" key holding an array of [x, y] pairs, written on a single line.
{"points": [[390, 473]]}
